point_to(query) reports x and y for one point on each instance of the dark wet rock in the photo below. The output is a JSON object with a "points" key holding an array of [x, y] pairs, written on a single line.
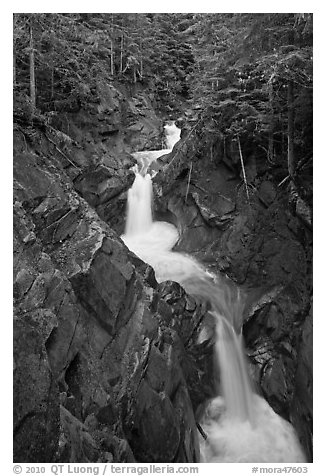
{"points": [[143, 128], [157, 435], [267, 193], [93, 146], [76, 444], [106, 291], [176, 168], [265, 248], [273, 334], [161, 422], [277, 383], [100, 358], [197, 362], [189, 446], [217, 214], [36, 412], [98, 185], [195, 232], [114, 122], [302, 403]]}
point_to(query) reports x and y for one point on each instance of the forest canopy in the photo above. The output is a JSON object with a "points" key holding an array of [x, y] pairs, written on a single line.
{"points": [[245, 77]]}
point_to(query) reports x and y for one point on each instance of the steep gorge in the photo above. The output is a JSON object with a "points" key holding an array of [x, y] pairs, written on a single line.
{"points": [[94, 347], [107, 364]]}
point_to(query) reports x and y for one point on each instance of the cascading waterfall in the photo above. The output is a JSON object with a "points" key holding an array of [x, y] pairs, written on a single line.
{"points": [[146, 157], [240, 425], [139, 205], [172, 134]]}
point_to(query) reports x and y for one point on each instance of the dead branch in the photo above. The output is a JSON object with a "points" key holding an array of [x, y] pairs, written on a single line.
{"points": [[243, 170], [189, 177], [284, 180], [64, 155], [201, 431]]}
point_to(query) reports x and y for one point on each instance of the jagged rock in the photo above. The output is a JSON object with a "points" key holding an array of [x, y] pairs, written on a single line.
{"points": [[161, 422], [98, 185], [158, 435], [197, 362], [189, 446], [217, 214], [107, 290], [302, 404], [76, 444], [177, 166], [277, 384], [265, 249], [36, 412], [93, 317]]}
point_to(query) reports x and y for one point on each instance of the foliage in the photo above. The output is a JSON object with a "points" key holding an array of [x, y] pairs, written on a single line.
{"points": [[244, 65], [73, 51], [246, 76]]}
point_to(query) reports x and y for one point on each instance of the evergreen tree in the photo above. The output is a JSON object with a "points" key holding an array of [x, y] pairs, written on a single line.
{"points": [[253, 74], [70, 52]]}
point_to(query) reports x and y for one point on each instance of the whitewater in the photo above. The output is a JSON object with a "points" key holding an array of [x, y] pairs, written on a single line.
{"points": [[240, 425]]}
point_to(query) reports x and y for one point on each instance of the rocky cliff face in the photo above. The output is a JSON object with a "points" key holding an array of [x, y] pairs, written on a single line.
{"points": [[266, 248], [100, 367], [93, 143]]}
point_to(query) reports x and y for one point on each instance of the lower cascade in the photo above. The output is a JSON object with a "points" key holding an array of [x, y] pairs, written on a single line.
{"points": [[240, 425]]}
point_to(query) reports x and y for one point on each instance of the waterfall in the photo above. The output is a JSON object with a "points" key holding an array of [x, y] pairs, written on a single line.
{"points": [[240, 425], [172, 134], [235, 384], [146, 157], [139, 214]]}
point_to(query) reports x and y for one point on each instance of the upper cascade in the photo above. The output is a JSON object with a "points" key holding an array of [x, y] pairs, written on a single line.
{"points": [[146, 157], [172, 134]]}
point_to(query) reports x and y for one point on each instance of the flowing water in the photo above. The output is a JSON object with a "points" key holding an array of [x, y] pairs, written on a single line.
{"points": [[146, 157], [172, 134], [240, 425]]}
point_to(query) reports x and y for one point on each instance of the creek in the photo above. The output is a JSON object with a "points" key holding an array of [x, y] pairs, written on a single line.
{"points": [[239, 424]]}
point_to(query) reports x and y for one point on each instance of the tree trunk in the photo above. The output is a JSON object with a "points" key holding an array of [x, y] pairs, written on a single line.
{"points": [[14, 68], [188, 184], [121, 54], [243, 170], [14, 53], [112, 59], [270, 154], [52, 81], [141, 59], [291, 158], [32, 69], [112, 46]]}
